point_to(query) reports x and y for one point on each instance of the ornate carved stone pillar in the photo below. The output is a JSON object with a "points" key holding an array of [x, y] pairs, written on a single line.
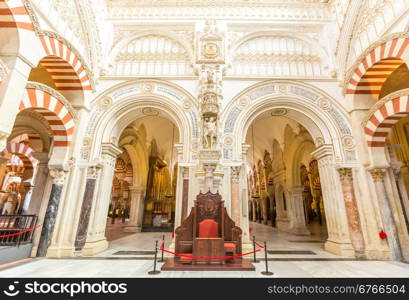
{"points": [[185, 192], [136, 211], [354, 224], [378, 175], [298, 225], [58, 177], [81, 236], [235, 194]]}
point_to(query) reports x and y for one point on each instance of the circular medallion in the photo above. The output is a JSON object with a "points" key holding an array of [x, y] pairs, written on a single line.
{"points": [[211, 50], [324, 103], [186, 105], [348, 141]]}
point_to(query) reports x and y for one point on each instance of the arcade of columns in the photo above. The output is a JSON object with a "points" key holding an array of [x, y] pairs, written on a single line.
{"points": [[360, 190]]}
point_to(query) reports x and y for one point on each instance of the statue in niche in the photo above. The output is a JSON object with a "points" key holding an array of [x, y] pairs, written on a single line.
{"points": [[159, 187], [210, 132]]}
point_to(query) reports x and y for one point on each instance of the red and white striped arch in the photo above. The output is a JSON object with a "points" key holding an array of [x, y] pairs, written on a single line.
{"points": [[64, 66], [382, 120], [54, 111], [24, 152], [370, 75], [13, 14]]}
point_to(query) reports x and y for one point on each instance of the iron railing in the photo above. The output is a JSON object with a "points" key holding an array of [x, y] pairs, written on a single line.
{"points": [[12, 224]]}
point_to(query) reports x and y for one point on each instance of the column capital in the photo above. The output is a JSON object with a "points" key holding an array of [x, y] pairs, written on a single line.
{"points": [[58, 175], [185, 172], [378, 174], [92, 171], [235, 174], [345, 174]]}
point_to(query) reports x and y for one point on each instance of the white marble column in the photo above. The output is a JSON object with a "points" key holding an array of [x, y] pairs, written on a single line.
{"points": [[297, 215], [378, 175], [338, 241], [96, 240], [136, 210]]}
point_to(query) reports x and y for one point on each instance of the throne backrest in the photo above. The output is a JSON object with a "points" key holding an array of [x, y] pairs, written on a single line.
{"points": [[209, 206], [208, 229]]}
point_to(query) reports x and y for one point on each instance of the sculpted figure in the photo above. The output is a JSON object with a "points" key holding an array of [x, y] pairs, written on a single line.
{"points": [[210, 132]]}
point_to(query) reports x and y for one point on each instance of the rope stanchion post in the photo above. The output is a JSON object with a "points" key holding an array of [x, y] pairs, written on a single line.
{"points": [[254, 250], [162, 248], [266, 272], [154, 271]]}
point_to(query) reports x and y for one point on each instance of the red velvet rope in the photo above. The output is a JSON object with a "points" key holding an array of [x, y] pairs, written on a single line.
{"points": [[20, 232], [258, 245], [202, 257]]}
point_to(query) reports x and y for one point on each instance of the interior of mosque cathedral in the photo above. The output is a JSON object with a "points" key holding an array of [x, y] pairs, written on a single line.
{"points": [[116, 115]]}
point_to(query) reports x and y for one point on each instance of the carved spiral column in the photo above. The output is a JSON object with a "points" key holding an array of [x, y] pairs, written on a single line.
{"points": [[58, 177], [235, 194], [378, 175], [81, 236], [354, 224]]}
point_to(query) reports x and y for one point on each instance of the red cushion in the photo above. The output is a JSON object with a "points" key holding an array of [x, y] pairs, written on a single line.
{"points": [[229, 246], [208, 229]]}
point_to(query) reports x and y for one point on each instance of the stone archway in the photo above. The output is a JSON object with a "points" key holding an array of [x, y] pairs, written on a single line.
{"points": [[113, 112], [325, 120]]}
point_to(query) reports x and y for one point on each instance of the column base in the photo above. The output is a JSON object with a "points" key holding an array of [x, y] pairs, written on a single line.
{"points": [[378, 254], [131, 228], [92, 248], [339, 248], [300, 230], [60, 252]]}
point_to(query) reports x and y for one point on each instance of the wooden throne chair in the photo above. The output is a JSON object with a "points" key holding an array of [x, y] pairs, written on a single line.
{"points": [[208, 231]]}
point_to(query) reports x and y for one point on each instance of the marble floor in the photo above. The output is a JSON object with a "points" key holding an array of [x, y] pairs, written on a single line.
{"points": [[318, 263]]}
